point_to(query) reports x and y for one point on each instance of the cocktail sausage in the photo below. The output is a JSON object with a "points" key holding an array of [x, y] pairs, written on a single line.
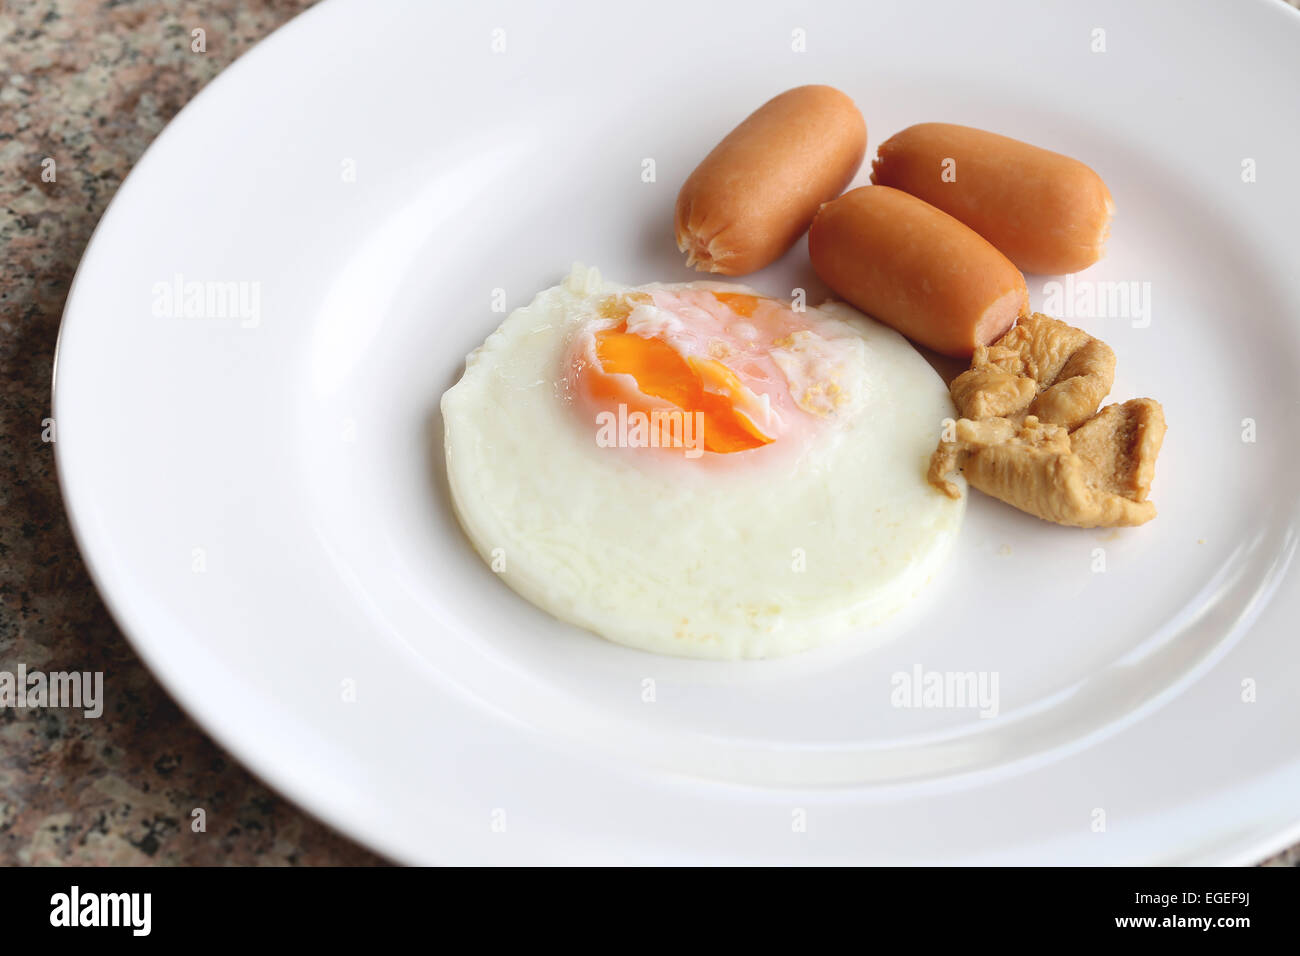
{"points": [[917, 269], [755, 194], [1046, 212]]}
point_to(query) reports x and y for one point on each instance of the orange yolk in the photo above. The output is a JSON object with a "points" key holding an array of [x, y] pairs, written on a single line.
{"points": [[692, 384], [742, 303]]}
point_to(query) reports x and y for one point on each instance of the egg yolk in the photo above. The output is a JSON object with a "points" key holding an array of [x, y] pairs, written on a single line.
{"points": [[742, 303], [691, 383]]}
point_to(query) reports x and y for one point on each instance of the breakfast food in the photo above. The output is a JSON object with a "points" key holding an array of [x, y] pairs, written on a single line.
{"points": [[1097, 476], [755, 194], [704, 471], [1031, 434], [1043, 367], [700, 470], [1048, 213], [914, 267]]}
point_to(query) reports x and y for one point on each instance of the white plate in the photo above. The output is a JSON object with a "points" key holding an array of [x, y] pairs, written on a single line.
{"points": [[263, 504]]}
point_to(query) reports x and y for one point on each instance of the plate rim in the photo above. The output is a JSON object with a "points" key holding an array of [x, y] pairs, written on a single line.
{"points": [[319, 806]]}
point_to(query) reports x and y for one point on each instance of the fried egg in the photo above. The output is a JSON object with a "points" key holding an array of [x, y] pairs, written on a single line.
{"points": [[700, 470]]}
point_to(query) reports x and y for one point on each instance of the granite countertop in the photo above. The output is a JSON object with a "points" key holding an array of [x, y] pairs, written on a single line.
{"points": [[90, 84]]}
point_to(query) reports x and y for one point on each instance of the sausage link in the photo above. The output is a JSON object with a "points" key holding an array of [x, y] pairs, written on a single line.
{"points": [[1047, 213], [756, 193], [917, 269]]}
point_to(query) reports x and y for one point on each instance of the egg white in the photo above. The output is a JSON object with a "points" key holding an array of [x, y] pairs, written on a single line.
{"points": [[734, 562]]}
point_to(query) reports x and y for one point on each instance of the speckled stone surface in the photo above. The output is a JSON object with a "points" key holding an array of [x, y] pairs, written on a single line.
{"points": [[90, 85]]}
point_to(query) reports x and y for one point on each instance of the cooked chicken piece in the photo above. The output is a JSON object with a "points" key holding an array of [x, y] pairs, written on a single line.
{"points": [[1096, 477], [1043, 367], [972, 436], [987, 390], [1119, 446]]}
